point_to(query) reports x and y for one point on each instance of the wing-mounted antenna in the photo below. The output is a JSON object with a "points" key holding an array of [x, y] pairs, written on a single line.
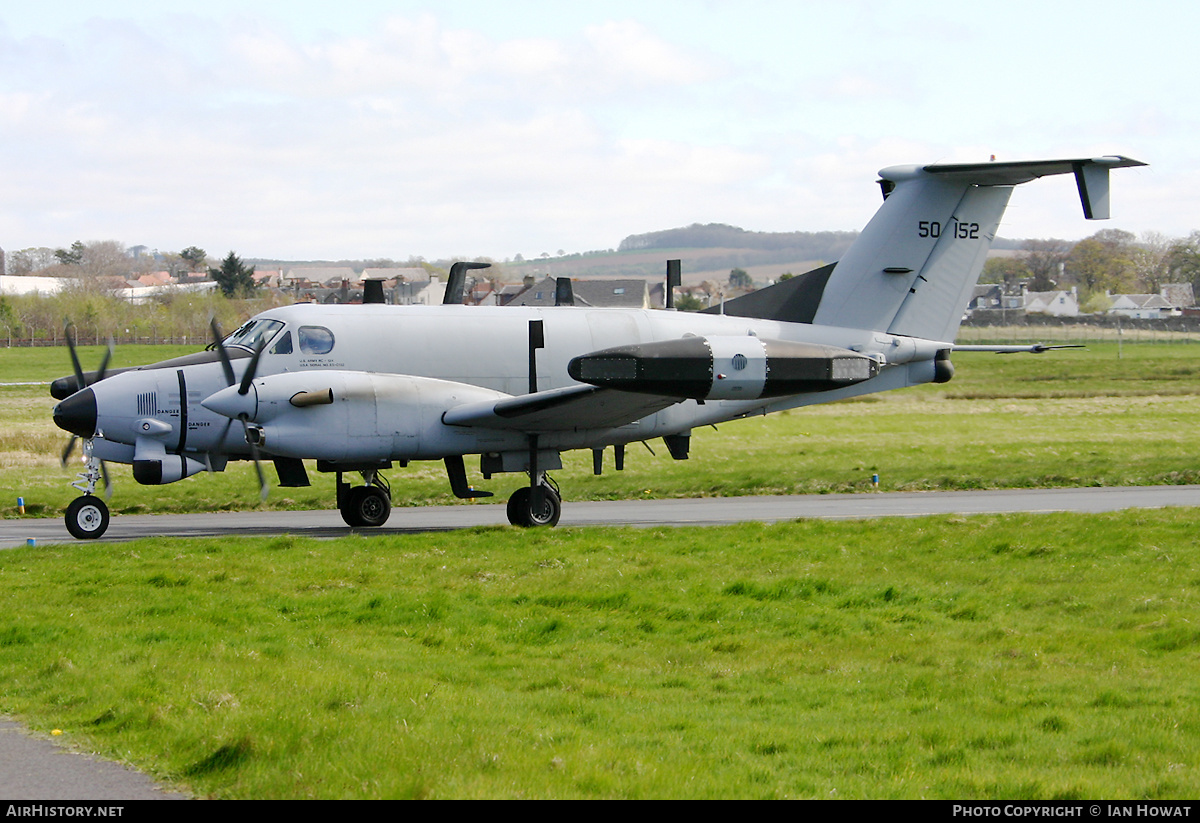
{"points": [[457, 280]]}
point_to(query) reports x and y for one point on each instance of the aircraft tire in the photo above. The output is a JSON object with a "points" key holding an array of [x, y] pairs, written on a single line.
{"points": [[87, 517], [367, 506], [520, 512]]}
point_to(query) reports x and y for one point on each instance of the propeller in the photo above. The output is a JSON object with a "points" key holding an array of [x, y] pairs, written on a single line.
{"points": [[243, 389], [81, 383]]}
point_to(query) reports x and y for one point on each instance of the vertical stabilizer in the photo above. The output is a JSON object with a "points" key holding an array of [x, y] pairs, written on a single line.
{"points": [[912, 270]]}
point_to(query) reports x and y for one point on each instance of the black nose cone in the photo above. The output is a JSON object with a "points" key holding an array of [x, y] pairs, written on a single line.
{"points": [[77, 414]]}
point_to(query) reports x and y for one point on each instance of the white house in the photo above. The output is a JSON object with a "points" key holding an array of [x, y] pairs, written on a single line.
{"points": [[1144, 306]]}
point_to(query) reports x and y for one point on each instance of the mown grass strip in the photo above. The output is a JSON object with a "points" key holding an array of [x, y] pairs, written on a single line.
{"points": [[1046, 656]]}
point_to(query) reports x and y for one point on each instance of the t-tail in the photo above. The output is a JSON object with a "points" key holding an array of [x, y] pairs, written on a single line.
{"points": [[913, 268]]}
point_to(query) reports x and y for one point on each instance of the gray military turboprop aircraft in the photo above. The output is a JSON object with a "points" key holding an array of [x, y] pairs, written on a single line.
{"points": [[358, 388]]}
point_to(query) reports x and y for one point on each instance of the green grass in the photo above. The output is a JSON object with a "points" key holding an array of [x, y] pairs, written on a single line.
{"points": [[1068, 418], [1052, 656]]}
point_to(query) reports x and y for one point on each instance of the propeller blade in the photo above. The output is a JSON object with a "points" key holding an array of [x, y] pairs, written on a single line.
{"points": [[69, 334], [262, 480], [248, 378], [66, 455], [108, 353], [107, 483], [220, 347]]}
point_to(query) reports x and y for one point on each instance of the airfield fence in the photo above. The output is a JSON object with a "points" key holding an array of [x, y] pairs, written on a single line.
{"points": [[980, 328], [998, 327]]}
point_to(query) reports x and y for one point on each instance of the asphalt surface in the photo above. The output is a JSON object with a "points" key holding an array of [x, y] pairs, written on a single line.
{"points": [[709, 511], [33, 769], [38, 769]]}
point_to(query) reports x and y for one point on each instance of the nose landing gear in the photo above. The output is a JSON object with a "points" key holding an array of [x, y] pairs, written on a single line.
{"points": [[87, 516]]}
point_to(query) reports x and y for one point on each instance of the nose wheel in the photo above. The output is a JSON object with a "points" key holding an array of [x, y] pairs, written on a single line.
{"points": [[87, 517]]}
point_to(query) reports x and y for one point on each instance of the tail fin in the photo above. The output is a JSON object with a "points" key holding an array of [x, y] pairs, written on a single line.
{"points": [[912, 269]]}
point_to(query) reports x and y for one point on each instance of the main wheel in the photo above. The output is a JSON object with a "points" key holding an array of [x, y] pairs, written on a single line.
{"points": [[522, 512], [87, 517], [366, 506]]}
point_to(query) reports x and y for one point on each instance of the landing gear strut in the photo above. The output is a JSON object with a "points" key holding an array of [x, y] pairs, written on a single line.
{"points": [[87, 516], [368, 505]]}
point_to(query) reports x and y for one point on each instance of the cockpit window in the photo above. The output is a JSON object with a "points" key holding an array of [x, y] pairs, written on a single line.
{"points": [[315, 339], [283, 345], [257, 332]]}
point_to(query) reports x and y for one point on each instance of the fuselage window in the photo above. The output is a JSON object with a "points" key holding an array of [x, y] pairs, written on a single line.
{"points": [[283, 345], [315, 339]]}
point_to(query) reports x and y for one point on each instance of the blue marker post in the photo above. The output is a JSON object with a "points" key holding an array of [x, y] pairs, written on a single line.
{"points": [[20, 505], [875, 481]]}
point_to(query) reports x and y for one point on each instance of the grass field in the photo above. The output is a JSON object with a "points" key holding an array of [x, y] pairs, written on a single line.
{"points": [[1071, 417], [1052, 656], [1049, 656]]}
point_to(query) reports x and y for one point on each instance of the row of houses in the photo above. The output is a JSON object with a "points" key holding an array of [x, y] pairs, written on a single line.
{"points": [[416, 286], [402, 286], [1173, 300], [137, 291]]}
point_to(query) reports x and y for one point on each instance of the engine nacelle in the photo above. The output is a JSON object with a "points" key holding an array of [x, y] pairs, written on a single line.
{"points": [[723, 368], [345, 416]]}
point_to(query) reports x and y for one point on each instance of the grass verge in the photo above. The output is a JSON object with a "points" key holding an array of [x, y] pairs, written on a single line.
{"points": [[1050, 656]]}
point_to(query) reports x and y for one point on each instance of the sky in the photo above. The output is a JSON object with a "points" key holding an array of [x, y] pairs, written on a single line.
{"points": [[311, 130]]}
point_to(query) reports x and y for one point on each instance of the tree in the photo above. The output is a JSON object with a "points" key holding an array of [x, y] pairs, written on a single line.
{"points": [[1045, 260], [195, 257], [1007, 270], [27, 261], [1183, 260], [1103, 262], [234, 278], [1151, 261], [72, 256], [739, 279]]}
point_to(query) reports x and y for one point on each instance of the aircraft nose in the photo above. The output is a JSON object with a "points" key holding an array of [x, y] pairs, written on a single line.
{"points": [[77, 414]]}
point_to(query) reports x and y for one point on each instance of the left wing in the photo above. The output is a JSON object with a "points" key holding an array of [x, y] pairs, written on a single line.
{"points": [[567, 409]]}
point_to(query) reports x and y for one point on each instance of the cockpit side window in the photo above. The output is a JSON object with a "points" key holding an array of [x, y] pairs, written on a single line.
{"points": [[283, 345], [315, 339]]}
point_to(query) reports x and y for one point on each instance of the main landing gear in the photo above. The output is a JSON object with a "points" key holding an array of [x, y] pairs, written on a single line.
{"points": [[539, 504], [368, 505]]}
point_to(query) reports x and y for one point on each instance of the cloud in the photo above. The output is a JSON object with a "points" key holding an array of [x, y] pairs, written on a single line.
{"points": [[416, 136]]}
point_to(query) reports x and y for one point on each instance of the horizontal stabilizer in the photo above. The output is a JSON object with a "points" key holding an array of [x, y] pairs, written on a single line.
{"points": [[1091, 176]]}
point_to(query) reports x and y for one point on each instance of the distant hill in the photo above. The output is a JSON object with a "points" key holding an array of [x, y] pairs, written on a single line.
{"points": [[795, 244]]}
